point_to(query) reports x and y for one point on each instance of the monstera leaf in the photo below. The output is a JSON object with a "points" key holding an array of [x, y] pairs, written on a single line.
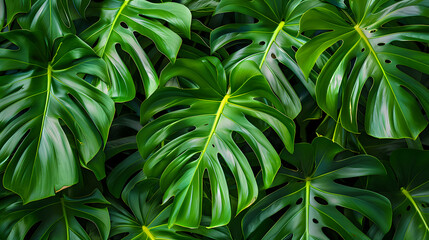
{"points": [[311, 195], [52, 17], [274, 39], [196, 135], [407, 187], [118, 22], [50, 118], [54, 218], [148, 218], [373, 46]]}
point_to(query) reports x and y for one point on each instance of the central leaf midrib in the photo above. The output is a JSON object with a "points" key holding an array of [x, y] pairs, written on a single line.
{"points": [[66, 221], [372, 51], [45, 109], [273, 38], [411, 199], [114, 25], [307, 209], [212, 132], [148, 233]]}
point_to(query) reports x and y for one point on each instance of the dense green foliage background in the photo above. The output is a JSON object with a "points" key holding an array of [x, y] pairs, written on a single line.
{"points": [[214, 119]]}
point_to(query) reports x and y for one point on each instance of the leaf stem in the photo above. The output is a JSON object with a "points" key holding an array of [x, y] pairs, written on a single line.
{"points": [[66, 221]]}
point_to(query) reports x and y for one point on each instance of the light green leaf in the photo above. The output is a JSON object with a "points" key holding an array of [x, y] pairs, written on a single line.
{"points": [[198, 136]]}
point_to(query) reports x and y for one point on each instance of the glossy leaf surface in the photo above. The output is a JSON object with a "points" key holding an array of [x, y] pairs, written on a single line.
{"points": [[53, 17], [274, 39], [43, 99], [201, 136], [311, 196], [118, 21], [54, 218], [370, 49], [407, 187], [148, 218]]}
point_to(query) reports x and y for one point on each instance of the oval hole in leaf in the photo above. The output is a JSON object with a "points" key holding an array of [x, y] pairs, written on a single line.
{"points": [[321, 201], [124, 25]]}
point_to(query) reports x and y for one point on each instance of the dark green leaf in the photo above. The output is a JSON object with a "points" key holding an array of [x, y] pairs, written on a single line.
{"points": [[58, 218], [118, 21], [42, 98], [148, 218], [274, 39], [407, 187], [370, 50], [311, 196]]}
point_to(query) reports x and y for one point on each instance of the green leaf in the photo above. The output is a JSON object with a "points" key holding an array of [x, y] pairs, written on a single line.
{"points": [[14, 7], [148, 218], [311, 196], [2, 14], [123, 141], [201, 7], [407, 187], [333, 130], [370, 50], [274, 39], [43, 97], [118, 21], [199, 134], [52, 17], [58, 218]]}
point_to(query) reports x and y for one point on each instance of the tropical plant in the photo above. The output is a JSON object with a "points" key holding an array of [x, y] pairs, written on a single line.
{"points": [[214, 119]]}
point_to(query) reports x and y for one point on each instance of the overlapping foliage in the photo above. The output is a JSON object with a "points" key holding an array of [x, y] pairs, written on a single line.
{"points": [[214, 119]]}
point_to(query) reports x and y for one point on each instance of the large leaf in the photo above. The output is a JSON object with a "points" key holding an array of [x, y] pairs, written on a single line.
{"points": [[311, 196], [370, 50], [52, 17], [407, 187], [50, 118], [54, 218], [118, 22], [274, 39], [148, 218], [199, 137]]}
